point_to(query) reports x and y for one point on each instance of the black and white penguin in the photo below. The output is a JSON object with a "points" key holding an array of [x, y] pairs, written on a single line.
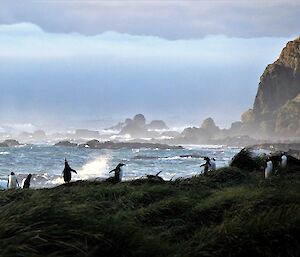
{"points": [[12, 182], [284, 160], [276, 160], [118, 172], [206, 165], [67, 172], [26, 183], [269, 168]]}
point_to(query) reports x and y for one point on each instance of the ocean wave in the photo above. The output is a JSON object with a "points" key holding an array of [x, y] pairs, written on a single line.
{"points": [[4, 153], [187, 156], [144, 157], [195, 147]]}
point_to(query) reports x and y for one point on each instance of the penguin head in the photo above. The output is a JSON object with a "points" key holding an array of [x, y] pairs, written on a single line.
{"points": [[120, 165]]}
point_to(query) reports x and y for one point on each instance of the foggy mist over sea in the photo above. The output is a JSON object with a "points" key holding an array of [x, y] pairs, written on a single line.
{"points": [[60, 81]]}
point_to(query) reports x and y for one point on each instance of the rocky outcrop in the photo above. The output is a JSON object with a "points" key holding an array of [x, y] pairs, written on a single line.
{"points": [[9, 143], [138, 128], [66, 143], [210, 127], [95, 144], [206, 131], [280, 81], [276, 109], [157, 125]]}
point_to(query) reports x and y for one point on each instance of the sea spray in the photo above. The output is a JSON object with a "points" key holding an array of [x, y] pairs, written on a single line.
{"points": [[93, 169]]}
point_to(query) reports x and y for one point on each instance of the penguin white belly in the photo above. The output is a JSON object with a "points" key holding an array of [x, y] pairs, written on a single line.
{"points": [[269, 169], [12, 182], [212, 165], [283, 161], [121, 174], [22, 184]]}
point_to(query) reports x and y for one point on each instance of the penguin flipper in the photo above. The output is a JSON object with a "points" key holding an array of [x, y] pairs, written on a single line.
{"points": [[158, 173]]}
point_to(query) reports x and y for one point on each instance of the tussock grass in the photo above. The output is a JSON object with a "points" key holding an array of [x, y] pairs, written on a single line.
{"points": [[229, 212]]}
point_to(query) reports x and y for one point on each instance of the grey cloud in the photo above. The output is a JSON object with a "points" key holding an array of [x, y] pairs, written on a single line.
{"points": [[168, 19]]}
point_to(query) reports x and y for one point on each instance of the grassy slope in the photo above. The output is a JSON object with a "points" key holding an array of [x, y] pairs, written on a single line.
{"points": [[230, 213]]}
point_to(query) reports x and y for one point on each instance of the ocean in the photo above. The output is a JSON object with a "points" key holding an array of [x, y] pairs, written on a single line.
{"points": [[46, 162]]}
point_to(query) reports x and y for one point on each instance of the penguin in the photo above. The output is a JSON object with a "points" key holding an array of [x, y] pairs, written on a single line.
{"points": [[276, 160], [67, 172], [284, 160], [213, 164], [206, 164], [118, 172], [12, 182], [26, 183], [269, 168], [155, 177]]}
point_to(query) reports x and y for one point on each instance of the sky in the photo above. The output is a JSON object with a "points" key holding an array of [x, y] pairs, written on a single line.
{"points": [[182, 61]]}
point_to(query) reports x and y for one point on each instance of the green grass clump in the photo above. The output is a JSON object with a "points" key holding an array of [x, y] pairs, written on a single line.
{"points": [[229, 212]]}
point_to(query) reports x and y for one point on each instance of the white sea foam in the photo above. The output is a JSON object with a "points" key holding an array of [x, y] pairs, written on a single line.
{"points": [[95, 168], [3, 184], [55, 181]]}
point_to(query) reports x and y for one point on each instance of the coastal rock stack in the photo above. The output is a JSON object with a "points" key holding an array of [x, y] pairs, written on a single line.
{"points": [[276, 109]]}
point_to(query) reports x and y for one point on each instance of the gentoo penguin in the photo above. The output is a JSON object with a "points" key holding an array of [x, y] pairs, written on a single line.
{"points": [[155, 177], [118, 172], [213, 164], [276, 160], [26, 183], [67, 172], [206, 164], [12, 182], [269, 168], [284, 159]]}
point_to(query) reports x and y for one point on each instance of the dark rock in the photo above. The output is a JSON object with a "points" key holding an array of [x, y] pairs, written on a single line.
{"points": [[136, 127], [66, 143], [280, 81], [11, 143], [276, 108], [194, 132], [131, 145], [207, 131], [210, 127], [139, 120], [134, 130], [157, 124]]}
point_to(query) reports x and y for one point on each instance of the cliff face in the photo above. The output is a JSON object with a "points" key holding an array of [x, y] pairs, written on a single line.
{"points": [[276, 109], [280, 81]]}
